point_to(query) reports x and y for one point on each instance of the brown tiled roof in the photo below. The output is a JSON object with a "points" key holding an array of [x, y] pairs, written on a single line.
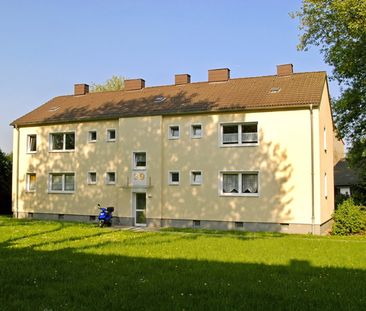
{"points": [[298, 89]]}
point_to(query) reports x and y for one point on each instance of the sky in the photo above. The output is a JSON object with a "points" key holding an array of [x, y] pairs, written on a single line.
{"points": [[48, 46]]}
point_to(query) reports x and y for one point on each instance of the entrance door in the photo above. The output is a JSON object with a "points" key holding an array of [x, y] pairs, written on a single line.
{"points": [[140, 209]]}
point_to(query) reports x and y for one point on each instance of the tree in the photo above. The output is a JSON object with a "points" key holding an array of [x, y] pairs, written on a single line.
{"points": [[5, 182], [115, 83], [338, 27]]}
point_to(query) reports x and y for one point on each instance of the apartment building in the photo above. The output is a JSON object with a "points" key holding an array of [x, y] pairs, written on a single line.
{"points": [[229, 153]]}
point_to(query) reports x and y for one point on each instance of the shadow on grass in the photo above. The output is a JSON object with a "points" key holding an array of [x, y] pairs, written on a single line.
{"points": [[67, 280]]}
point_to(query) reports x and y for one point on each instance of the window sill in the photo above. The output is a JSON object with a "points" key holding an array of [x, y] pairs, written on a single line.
{"points": [[110, 140], [196, 184], [173, 184], [250, 195], [30, 191], [173, 138], [62, 151], [61, 192], [92, 183], [92, 141], [196, 137], [238, 145], [31, 152]]}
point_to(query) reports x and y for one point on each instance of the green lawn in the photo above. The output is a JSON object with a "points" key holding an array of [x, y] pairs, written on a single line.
{"points": [[68, 266]]}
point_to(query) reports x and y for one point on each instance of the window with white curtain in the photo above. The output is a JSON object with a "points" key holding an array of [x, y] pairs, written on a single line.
{"points": [[241, 134], [61, 182], [239, 183]]}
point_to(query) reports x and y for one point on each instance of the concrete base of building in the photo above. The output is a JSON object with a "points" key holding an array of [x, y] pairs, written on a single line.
{"points": [[192, 223]]}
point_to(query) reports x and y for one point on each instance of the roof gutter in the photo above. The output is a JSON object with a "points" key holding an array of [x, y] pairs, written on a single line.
{"points": [[17, 173], [312, 170]]}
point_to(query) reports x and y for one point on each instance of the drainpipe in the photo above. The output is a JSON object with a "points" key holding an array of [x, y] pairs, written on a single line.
{"points": [[17, 173], [312, 171]]}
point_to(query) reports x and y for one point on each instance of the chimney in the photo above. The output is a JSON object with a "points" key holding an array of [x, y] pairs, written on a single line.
{"points": [[217, 75], [134, 84], [182, 79], [285, 70], [81, 89]]}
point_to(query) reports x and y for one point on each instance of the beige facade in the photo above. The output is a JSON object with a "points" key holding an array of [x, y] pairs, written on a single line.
{"points": [[293, 162]]}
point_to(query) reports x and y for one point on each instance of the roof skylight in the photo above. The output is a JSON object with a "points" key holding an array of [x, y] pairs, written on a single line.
{"points": [[275, 90], [159, 99], [53, 109]]}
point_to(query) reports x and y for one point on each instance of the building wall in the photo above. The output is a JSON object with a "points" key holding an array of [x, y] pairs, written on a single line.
{"points": [[282, 159], [326, 152], [283, 166]]}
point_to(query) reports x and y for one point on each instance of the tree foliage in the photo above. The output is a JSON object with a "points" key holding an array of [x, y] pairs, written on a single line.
{"points": [[116, 83], [338, 27], [5, 182]]}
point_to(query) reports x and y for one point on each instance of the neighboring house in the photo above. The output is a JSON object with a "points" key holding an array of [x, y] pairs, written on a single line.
{"points": [[245, 153], [344, 178]]}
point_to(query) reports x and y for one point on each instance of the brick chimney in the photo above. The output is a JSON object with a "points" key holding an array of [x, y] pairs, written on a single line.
{"points": [[182, 79], [285, 70], [134, 84], [217, 75], [81, 89]]}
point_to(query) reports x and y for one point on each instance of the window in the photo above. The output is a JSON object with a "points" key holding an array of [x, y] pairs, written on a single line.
{"points": [[62, 141], [31, 182], [325, 139], [92, 136], [325, 186], [196, 131], [239, 183], [174, 178], [196, 177], [239, 134], [110, 178], [174, 132], [139, 160], [62, 182], [92, 178], [31, 143], [111, 135]]}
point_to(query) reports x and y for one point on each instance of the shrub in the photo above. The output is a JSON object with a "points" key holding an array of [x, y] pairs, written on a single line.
{"points": [[349, 218]]}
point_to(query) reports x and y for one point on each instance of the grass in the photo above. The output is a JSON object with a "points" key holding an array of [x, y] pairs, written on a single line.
{"points": [[48, 265]]}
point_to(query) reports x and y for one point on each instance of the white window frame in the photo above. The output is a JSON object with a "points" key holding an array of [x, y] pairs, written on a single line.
{"points": [[64, 142], [170, 181], [239, 124], [240, 193], [193, 183], [63, 191], [27, 183], [192, 130], [89, 181], [107, 180], [29, 145], [325, 139], [89, 136], [108, 135], [325, 186], [135, 167], [170, 136]]}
